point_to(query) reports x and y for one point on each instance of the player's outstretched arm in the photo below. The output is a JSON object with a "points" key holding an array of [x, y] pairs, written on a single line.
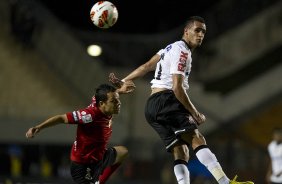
{"points": [[47, 123], [143, 69]]}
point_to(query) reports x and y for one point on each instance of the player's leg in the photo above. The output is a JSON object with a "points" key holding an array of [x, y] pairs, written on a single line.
{"points": [[122, 153], [115, 158], [178, 149], [158, 113], [207, 158], [181, 156]]}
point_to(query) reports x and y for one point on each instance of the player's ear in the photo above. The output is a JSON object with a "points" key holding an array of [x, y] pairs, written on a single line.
{"points": [[100, 103], [186, 29]]}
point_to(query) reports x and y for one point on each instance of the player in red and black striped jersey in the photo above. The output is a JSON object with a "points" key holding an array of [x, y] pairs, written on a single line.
{"points": [[91, 160]]}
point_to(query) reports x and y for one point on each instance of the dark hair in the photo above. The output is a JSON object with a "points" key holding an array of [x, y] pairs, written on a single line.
{"points": [[191, 20], [102, 91]]}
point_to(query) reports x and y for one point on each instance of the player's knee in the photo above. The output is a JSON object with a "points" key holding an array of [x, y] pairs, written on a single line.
{"points": [[122, 152], [198, 141], [181, 152]]}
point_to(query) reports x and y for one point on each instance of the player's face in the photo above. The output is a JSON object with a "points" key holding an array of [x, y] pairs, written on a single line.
{"points": [[112, 105], [195, 34]]}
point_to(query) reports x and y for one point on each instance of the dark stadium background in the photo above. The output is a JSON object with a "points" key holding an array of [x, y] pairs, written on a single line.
{"points": [[134, 16]]}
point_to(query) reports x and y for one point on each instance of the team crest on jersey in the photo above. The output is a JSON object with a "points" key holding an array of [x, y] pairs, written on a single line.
{"points": [[86, 118]]}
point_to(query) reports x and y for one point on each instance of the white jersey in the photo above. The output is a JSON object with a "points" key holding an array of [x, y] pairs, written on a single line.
{"points": [[275, 152], [175, 59]]}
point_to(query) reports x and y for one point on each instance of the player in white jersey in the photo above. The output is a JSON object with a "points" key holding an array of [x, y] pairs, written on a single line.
{"points": [[181, 54], [274, 174], [169, 109]]}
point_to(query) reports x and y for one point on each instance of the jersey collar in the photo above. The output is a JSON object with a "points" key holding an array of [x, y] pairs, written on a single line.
{"points": [[186, 43]]}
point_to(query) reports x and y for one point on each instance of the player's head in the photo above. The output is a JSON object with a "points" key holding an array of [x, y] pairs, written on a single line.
{"points": [[192, 19], [107, 99], [194, 31]]}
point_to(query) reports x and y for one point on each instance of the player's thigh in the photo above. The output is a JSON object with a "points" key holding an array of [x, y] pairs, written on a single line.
{"points": [[187, 136], [166, 134], [180, 151], [198, 140]]}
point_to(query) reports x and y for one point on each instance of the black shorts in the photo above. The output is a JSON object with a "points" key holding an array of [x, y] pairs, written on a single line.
{"points": [[89, 173], [165, 113]]}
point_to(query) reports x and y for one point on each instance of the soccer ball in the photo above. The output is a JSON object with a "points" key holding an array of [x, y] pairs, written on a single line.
{"points": [[104, 14]]}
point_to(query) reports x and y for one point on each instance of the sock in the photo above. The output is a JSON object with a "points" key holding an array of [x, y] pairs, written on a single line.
{"points": [[181, 172], [108, 172], [208, 159]]}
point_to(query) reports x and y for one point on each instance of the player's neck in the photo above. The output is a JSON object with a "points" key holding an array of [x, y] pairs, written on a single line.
{"points": [[187, 44]]}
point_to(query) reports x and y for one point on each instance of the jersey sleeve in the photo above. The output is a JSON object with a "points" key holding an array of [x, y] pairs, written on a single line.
{"points": [[81, 116], [160, 52], [179, 59]]}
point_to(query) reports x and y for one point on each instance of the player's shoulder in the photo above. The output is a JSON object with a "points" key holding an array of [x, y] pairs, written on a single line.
{"points": [[174, 47], [181, 45]]}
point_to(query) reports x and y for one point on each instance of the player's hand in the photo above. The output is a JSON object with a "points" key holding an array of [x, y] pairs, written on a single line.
{"points": [[115, 81], [127, 87], [31, 132], [200, 118], [123, 87]]}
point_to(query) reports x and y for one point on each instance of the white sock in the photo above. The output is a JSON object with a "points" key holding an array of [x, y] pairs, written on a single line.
{"points": [[208, 159], [182, 174]]}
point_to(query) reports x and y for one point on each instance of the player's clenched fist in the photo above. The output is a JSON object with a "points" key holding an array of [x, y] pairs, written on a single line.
{"points": [[31, 132]]}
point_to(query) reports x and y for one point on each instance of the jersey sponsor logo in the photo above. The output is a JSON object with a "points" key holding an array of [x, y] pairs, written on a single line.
{"points": [[183, 56], [182, 61], [87, 118], [181, 67]]}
